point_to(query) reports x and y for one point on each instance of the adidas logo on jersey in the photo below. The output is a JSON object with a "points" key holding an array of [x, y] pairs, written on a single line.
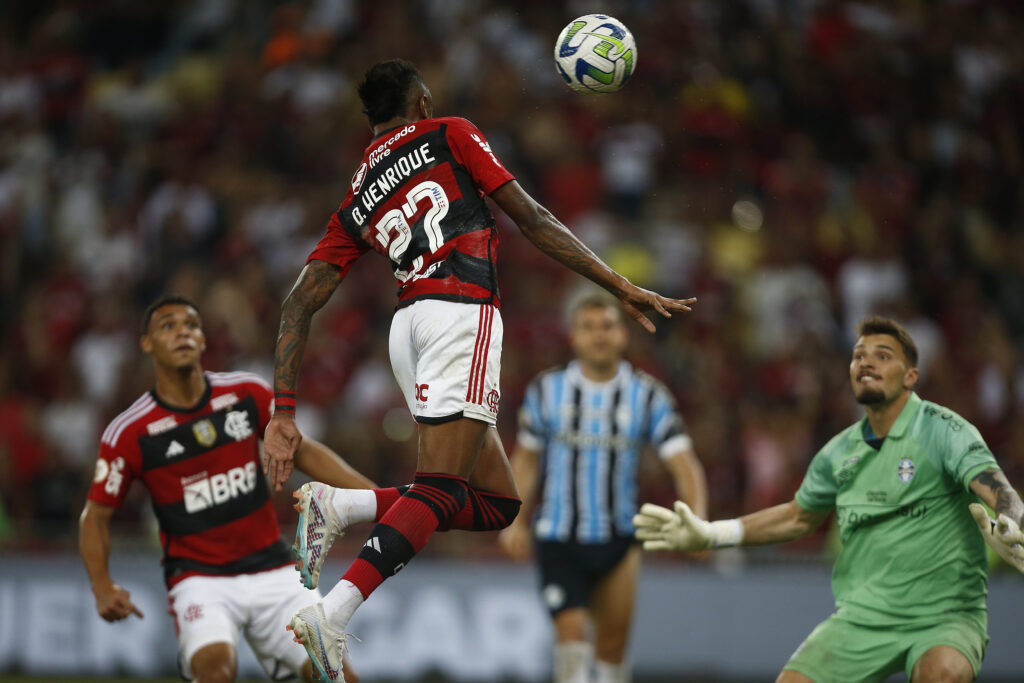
{"points": [[206, 492], [174, 449]]}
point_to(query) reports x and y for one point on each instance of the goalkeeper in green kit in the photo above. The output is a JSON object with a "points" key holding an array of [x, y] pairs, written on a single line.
{"points": [[911, 579]]}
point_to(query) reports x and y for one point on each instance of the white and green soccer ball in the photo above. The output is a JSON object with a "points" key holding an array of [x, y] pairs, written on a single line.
{"points": [[595, 54]]}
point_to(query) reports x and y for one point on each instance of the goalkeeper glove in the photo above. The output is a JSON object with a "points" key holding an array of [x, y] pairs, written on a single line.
{"points": [[662, 529], [1002, 534]]}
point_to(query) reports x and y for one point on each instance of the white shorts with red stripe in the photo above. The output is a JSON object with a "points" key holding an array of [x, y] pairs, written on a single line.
{"points": [[447, 357]]}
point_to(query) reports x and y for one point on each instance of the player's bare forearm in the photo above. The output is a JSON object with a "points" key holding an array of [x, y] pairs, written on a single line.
{"points": [[690, 483], [549, 235], [781, 523], [314, 287], [994, 488], [526, 472], [94, 542], [323, 464]]}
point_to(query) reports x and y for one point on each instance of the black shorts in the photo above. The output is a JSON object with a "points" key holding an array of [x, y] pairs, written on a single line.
{"points": [[568, 571]]}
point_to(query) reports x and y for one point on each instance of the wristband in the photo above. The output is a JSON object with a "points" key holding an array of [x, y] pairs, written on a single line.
{"points": [[284, 401], [726, 533]]}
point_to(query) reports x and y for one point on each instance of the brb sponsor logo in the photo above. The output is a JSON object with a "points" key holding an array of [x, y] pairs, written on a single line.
{"points": [[421, 394], [203, 492]]}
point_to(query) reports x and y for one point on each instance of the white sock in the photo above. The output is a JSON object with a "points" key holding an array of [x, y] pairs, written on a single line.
{"points": [[572, 662], [341, 603], [606, 672], [355, 505]]}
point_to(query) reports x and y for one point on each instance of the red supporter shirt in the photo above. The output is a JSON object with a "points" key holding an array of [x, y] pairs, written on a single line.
{"points": [[202, 469], [418, 199]]}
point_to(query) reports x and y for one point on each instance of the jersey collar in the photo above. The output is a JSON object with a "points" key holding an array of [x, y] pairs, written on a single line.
{"points": [[577, 375], [203, 400], [899, 427]]}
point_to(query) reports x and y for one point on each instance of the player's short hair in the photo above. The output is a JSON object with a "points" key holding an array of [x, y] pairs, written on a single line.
{"points": [[385, 89], [879, 324], [593, 299], [165, 300]]}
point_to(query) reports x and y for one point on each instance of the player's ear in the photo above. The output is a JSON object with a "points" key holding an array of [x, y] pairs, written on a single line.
{"points": [[910, 377], [146, 344], [426, 104]]}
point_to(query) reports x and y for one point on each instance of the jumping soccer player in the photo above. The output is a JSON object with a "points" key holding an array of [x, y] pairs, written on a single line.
{"points": [[417, 198]]}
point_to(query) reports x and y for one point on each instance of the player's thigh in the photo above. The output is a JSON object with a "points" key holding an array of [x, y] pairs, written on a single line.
{"points": [[274, 598], [455, 358], [611, 606], [215, 663], [837, 651], [450, 447], [206, 613], [942, 664], [951, 649], [492, 471]]}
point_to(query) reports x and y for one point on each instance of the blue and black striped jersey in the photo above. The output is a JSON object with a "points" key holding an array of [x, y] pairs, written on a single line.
{"points": [[590, 436]]}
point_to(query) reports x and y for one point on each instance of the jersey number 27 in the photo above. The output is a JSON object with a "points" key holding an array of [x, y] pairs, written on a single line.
{"points": [[396, 221]]}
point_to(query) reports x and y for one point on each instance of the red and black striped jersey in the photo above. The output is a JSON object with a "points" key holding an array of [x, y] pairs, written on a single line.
{"points": [[418, 199], [202, 469]]}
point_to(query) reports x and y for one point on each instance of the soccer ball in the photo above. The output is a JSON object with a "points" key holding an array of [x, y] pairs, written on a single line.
{"points": [[595, 54]]}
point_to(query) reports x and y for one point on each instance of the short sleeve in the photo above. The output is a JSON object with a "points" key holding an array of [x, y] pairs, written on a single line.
{"points": [[666, 429], [967, 454], [113, 476], [473, 151], [533, 430], [337, 247], [819, 489]]}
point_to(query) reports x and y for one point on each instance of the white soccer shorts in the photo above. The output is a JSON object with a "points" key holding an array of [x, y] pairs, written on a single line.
{"points": [[447, 358], [214, 609]]}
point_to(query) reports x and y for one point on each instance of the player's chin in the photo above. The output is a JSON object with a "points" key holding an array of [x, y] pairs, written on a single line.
{"points": [[869, 397]]}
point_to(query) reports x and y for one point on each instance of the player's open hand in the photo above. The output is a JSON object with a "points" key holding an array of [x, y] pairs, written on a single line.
{"points": [[663, 529], [280, 441], [636, 301], [113, 603], [1002, 534]]}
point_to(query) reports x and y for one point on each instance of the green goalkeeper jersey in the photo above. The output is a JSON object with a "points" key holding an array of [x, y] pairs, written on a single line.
{"points": [[910, 547]]}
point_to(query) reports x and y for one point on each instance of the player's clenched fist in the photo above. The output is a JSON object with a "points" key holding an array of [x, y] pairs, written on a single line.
{"points": [[1002, 534], [113, 603]]}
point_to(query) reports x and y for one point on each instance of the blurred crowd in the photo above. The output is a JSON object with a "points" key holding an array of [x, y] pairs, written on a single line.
{"points": [[795, 164]]}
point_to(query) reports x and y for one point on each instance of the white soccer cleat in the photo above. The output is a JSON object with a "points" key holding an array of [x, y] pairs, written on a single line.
{"points": [[325, 646], [319, 527]]}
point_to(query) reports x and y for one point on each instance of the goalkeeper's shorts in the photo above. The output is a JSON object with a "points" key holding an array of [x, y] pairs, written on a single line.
{"points": [[838, 651]]}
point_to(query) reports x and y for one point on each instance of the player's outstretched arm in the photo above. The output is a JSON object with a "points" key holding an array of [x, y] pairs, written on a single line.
{"points": [[323, 464], [663, 529], [113, 603], [315, 285], [1003, 533], [549, 235]]}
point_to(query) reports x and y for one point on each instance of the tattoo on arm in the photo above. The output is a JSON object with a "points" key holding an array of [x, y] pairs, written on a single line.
{"points": [[1008, 502], [558, 242], [314, 287]]}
